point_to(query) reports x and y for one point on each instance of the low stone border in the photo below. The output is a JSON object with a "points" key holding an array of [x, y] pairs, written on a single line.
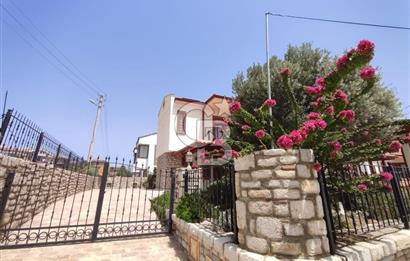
{"points": [[201, 243], [394, 246]]}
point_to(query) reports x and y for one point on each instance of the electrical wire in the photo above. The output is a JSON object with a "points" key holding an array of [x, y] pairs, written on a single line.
{"points": [[340, 21], [91, 83], [89, 93], [85, 84]]}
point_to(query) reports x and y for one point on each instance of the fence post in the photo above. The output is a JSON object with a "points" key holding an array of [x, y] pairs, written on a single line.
{"points": [[172, 200], [395, 183], [6, 192], [5, 124], [57, 154], [233, 214], [186, 182], [327, 212], [67, 163], [38, 146], [100, 200]]}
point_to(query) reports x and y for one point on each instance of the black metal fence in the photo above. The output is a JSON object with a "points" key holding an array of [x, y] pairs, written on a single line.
{"points": [[213, 190], [360, 200], [21, 138], [102, 199]]}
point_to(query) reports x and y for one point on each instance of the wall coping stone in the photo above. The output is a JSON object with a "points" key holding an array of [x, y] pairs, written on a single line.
{"points": [[381, 248]]}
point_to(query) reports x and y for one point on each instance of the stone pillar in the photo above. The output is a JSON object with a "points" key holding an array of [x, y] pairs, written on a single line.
{"points": [[279, 208]]}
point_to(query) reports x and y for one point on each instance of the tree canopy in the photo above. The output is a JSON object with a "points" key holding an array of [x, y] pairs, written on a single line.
{"points": [[379, 107]]}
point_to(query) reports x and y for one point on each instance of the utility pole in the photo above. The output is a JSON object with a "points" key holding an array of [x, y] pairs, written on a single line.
{"points": [[267, 14], [99, 104], [268, 56]]}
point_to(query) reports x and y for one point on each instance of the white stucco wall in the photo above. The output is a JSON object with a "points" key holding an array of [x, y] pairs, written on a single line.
{"points": [[198, 116], [164, 125], [193, 125], [406, 154], [148, 163]]}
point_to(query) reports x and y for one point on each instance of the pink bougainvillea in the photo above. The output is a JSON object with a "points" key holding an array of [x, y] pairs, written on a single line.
{"points": [[314, 104], [362, 187], [321, 124], [317, 167], [313, 116], [330, 110], [367, 73], [218, 142], [285, 142], [285, 71], [341, 61], [245, 127], [347, 115], [295, 136], [270, 103], [336, 146], [311, 90], [386, 176], [260, 134], [395, 146], [309, 125], [234, 106], [320, 81], [234, 154], [365, 47], [341, 95], [328, 127]]}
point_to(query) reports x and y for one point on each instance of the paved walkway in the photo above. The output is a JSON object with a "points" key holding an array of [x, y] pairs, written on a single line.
{"points": [[144, 248]]}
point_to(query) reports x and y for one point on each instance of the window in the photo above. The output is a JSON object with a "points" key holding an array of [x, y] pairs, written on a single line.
{"points": [[143, 151], [181, 122], [218, 127]]}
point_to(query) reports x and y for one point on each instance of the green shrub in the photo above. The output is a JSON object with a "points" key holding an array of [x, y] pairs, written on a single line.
{"points": [[194, 208], [218, 194], [150, 182], [90, 170], [189, 208], [160, 205], [123, 172]]}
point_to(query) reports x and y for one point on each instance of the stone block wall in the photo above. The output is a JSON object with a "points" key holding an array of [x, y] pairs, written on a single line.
{"points": [[279, 209], [202, 244], [36, 186], [125, 182], [165, 162]]}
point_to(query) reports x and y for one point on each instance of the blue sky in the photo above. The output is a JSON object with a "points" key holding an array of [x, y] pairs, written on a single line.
{"points": [[139, 51]]}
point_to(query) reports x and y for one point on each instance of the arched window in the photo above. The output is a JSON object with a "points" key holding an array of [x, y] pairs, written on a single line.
{"points": [[181, 122]]}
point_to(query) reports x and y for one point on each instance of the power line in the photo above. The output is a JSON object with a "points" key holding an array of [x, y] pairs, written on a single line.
{"points": [[91, 83], [48, 50], [47, 59], [340, 21]]}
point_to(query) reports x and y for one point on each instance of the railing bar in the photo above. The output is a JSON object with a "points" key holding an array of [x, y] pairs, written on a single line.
{"points": [[132, 194], [118, 192], [64, 202], [126, 190], [22, 177], [55, 200], [50, 174], [75, 192]]}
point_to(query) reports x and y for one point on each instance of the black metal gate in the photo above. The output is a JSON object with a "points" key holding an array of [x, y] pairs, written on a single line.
{"points": [[45, 204]]}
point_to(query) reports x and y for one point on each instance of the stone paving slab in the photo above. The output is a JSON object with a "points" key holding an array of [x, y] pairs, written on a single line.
{"points": [[144, 248]]}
